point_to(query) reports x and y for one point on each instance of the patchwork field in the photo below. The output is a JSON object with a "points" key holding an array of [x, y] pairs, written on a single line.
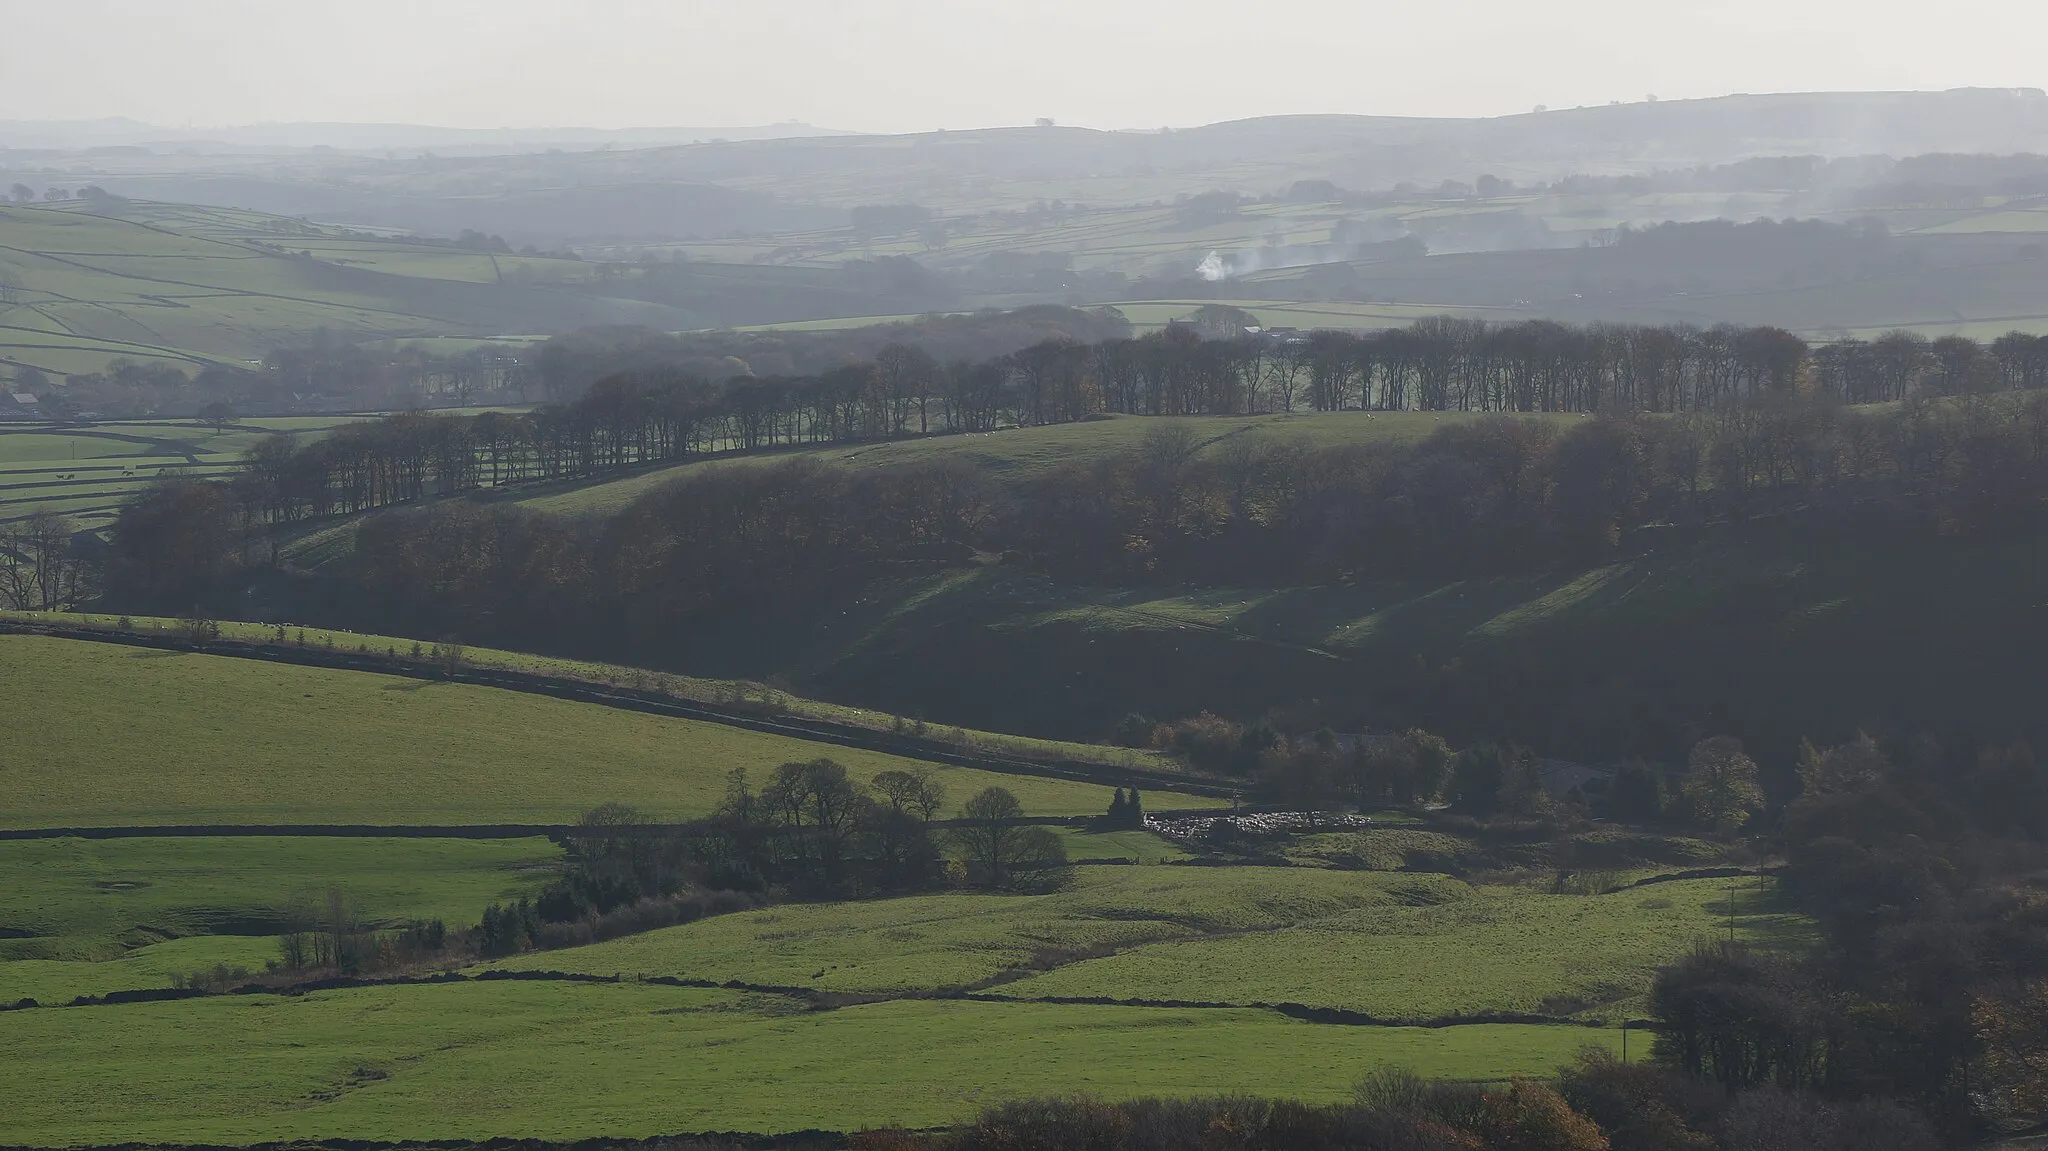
{"points": [[239, 741], [193, 286], [86, 473]]}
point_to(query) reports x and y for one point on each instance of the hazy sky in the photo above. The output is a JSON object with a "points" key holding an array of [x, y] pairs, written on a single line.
{"points": [[901, 65]]}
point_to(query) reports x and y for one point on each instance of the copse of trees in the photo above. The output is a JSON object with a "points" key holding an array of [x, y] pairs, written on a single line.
{"points": [[1931, 990], [41, 567], [810, 831]]}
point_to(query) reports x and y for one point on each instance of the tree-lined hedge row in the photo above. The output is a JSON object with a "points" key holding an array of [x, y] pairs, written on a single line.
{"points": [[656, 413]]}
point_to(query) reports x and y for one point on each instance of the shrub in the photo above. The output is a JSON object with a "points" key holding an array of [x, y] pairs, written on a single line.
{"points": [[1207, 741]]}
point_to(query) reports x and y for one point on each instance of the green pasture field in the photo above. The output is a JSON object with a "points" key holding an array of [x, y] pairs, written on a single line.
{"points": [[102, 735], [1134, 846], [715, 691], [84, 917], [1393, 945], [59, 981], [928, 942], [1494, 949], [92, 899], [1377, 849], [563, 1061]]}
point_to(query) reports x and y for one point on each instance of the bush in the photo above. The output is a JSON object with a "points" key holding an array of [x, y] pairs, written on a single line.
{"points": [[1206, 741], [1636, 795], [1133, 730]]}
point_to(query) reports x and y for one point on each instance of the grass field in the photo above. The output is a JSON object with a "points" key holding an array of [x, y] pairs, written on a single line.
{"points": [[87, 898], [84, 917], [107, 735], [1395, 946], [550, 1060], [59, 981], [101, 733], [939, 941], [1493, 949], [725, 692]]}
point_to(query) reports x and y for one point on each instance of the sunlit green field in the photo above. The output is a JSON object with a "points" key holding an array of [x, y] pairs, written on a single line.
{"points": [[1488, 950], [84, 917], [102, 734], [553, 1060], [52, 982], [1390, 945], [714, 691], [88, 898], [939, 941]]}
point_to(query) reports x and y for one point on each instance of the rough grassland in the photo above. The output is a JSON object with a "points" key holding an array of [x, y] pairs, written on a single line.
{"points": [[102, 735], [1497, 950], [935, 941], [470, 1061]]}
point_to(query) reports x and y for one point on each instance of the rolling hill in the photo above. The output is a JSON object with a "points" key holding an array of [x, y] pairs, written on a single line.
{"points": [[83, 288]]}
